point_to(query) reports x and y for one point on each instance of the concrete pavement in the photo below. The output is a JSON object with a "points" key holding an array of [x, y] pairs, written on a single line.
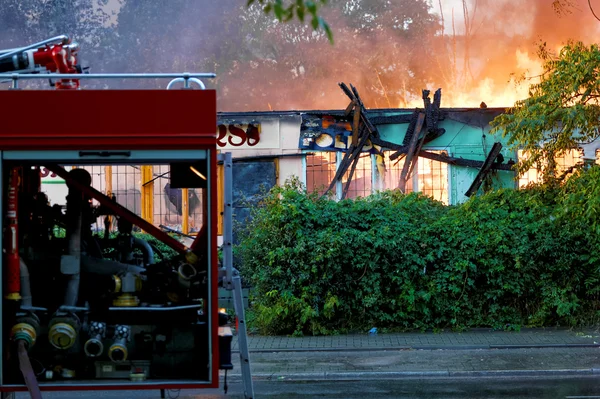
{"points": [[473, 339], [477, 353]]}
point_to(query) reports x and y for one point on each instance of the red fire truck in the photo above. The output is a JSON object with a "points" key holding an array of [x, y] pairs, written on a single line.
{"points": [[88, 310]]}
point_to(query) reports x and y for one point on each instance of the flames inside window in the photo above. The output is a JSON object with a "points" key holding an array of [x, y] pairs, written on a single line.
{"points": [[428, 176], [320, 170], [564, 162]]}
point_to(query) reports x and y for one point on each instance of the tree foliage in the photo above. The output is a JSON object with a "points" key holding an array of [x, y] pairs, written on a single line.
{"points": [[28, 21], [405, 262], [562, 110], [299, 8]]}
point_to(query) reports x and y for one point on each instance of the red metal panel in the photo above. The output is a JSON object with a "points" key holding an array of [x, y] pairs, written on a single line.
{"points": [[110, 119]]}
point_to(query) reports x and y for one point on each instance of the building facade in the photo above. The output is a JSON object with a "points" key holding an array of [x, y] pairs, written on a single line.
{"points": [[270, 147]]}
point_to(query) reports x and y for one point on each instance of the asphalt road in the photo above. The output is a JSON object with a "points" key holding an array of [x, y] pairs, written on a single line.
{"points": [[580, 387]]}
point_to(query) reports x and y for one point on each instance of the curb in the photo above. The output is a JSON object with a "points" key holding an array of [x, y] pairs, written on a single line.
{"points": [[419, 347], [391, 375]]}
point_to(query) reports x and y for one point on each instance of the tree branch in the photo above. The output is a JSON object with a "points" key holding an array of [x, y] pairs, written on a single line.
{"points": [[592, 10]]}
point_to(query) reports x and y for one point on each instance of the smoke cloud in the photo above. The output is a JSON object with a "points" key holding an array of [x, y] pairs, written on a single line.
{"points": [[390, 52]]}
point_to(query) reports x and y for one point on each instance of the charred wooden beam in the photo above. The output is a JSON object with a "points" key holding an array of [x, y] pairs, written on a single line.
{"points": [[485, 169], [411, 152], [402, 150], [437, 104], [349, 157], [350, 175], [416, 155], [349, 108], [386, 144], [355, 97], [464, 162], [355, 125], [411, 128], [391, 120]]}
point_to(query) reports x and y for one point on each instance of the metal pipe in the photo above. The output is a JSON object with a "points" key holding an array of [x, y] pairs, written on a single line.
{"points": [[185, 75], [13, 280], [71, 263], [146, 249], [7, 50], [154, 309], [62, 39], [186, 83], [26, 299], [228, 220], [107, 267]]}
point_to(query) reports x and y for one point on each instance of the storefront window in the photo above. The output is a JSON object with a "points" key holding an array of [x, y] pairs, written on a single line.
{"points": [[429, 177], [320, 171], [361, 183]]}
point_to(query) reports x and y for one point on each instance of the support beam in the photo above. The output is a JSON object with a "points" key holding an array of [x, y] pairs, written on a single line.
{"points": [[109, 193], [147, 190], [485, 169], [412, 147], [185, 211], [463, 162]]}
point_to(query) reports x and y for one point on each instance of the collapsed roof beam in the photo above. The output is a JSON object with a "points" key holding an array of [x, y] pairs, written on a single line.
{"points": [[485, 169]]}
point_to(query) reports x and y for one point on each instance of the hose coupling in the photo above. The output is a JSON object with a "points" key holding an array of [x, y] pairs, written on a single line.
{"points": [[118, 350], [94, 347]]}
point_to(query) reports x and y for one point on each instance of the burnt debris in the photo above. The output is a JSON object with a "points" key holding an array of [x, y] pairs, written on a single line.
{"points": [[423, 128]]}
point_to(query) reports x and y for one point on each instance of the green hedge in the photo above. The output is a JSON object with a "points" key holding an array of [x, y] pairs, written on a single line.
{"points": [[506, 259]]}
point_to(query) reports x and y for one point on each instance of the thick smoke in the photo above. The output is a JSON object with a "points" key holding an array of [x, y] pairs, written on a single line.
{"points": [[389, 50]]}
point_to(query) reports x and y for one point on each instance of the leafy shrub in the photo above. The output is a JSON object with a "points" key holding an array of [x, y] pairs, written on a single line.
{"points": [[506, 259]]}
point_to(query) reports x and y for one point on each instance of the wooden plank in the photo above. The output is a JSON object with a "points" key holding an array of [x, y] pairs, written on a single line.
{"points": [[411, 151], [416, 156], [345, 191], [349, 157], [349, 108], [355, 124], [485, 169], [463, 162]]}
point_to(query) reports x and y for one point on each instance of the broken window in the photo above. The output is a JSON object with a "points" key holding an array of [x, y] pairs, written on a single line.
{"points": [[361, 183], [433, 178], [429, 177], [389, 174], [320, 171], [564, 163]]}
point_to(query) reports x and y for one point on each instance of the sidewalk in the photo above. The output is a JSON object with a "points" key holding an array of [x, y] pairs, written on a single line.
{"points": [[479, 353], [474, 339]]}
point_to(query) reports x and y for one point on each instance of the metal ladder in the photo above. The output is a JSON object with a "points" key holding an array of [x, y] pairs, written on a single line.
{"points": [[232, 280]]}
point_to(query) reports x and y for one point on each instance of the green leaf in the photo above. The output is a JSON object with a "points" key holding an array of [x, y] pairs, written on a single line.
{"points": [[327, 29], [315, 23], [278, 9], [312, 8], [300, 8]]}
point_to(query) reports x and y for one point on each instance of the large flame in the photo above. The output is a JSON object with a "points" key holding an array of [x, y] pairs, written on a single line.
{"points": [[492, 90]]}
